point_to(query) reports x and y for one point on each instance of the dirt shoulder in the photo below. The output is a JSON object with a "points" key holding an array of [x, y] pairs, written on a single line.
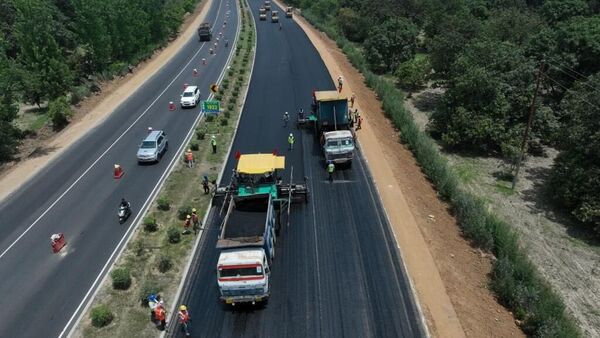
{"points": [[92, 111], [449, 276]]}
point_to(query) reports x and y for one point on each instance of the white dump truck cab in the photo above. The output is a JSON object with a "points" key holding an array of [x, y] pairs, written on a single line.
{"points": [[338, 146], [243, 276]]}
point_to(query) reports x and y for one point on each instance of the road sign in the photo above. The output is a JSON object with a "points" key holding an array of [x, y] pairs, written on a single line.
{"points": [[214, 88], [211, 106]]}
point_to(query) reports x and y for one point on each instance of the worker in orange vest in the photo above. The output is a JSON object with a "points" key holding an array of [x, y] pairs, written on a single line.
{"points": [[195, 220], [161, 315], [184, 319], [189, 157], [187, 224]]}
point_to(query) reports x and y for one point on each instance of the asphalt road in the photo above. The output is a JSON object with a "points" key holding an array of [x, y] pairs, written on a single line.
{"points": [[77, 195], [337, 271]]}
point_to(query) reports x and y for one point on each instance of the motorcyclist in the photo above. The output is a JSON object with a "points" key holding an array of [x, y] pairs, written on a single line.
{"points": [[124, 204]]}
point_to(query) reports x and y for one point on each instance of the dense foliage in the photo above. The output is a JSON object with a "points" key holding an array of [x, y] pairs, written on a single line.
{"points": [[52, 49]]}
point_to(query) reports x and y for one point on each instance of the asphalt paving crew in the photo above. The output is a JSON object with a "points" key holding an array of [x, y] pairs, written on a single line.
{"points": [[205, 184], [184, 319], [301, 114], [195, 221], [213, 143], [187, 224], [286, 118], [340, 83], [189, 158], [160, 316], [153, 301], [352, 99], [291, 141], [359, 123], [330, 169]]}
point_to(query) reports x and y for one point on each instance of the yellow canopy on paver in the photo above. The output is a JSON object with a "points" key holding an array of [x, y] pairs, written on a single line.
{"points": [[329, 95], [259, 163]]}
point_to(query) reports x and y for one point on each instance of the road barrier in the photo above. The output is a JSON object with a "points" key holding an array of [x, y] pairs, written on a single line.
{"points": [[118, 172], [172, 106], [57, 242]]}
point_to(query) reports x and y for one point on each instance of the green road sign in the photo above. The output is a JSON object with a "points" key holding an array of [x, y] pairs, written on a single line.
{"points": [[211, 106]]}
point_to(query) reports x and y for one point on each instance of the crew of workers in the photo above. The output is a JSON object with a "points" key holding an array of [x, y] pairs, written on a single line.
{"points": [[158, 314]]}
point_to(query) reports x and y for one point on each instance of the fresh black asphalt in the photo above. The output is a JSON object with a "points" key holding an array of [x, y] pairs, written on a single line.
{"points": [[41, 291], [337, 271]]}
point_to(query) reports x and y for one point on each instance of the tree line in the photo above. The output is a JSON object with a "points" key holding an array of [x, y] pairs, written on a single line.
{"points": [[56, 50], [487, 55]]}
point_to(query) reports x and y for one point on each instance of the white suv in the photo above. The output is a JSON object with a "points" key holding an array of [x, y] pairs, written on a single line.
{"points": [[190, 97]]}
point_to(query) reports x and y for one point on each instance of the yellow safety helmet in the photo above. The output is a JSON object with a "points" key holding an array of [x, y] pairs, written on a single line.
{"points": [[188, 217], [193, 209], [182, 308]]}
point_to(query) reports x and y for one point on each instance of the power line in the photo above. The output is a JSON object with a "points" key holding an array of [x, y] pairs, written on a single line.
{"points": [[572, 92]]}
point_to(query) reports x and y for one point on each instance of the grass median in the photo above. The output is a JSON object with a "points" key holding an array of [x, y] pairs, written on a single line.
{"points": [[155, 258]]}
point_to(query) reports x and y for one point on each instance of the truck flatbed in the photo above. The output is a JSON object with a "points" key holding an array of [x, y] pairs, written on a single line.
{"points": [[245, 224]]}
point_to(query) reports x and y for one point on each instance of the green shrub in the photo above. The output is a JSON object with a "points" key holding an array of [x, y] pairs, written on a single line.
{"points": [[194, 146], [235, 94], [227, 114], [224, 122], [59, 112], [164, 262], [219, 96], [224, 86], [150, 224], [121, 278], [148, 288], [413, 74], [163, 203], [183, 212], [230, 106], [173, 235], [201, 135], [210, 118], [79, 93], [101, 316]]}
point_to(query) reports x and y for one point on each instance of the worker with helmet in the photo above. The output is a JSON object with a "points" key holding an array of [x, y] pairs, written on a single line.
{"points": [[187, 224], [291, 141], [195, 220], [330, 169], [286, 118], [184, 319]]}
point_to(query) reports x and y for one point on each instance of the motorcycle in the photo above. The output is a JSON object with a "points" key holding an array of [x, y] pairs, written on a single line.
{"points": [[124, 213]]}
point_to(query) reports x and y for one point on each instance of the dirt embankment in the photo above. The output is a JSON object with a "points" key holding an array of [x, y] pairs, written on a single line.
{"points": [[48, 145], [450, 277]]}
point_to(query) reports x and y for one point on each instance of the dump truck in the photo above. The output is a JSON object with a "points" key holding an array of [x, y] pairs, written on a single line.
{"points": [[247, 247], [256, 203], [288, 12], [205, 32], [274, 16], [262, 14], [333, 126]]}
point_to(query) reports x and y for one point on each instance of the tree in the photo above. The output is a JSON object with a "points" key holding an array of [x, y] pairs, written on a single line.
{"points": [[560, 10], [575, 178], [47, 75], [353, 25], [59, 112], [390, 44], [579, 40], [9, 134], [413, 74]]}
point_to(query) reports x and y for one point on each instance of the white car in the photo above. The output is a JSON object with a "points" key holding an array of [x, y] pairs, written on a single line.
{"points": [[190, 97]]}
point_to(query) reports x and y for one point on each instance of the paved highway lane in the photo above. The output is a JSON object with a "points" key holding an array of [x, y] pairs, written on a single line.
{"points": [[336, 272], [77, 195]]}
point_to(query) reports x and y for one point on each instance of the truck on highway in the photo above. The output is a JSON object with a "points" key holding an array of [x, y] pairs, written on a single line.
{"points": [[256, 203], [332, 124], [247, 244], [205, 32]]}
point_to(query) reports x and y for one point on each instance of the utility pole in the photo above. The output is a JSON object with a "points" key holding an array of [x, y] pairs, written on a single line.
{"points": [[529, 120]]}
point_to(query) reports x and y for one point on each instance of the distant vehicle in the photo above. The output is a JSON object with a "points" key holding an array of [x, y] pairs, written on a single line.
{"points": [[331, 120], [274, 16], [205, 32], [190, 97], [288, 12], [153, 147], [267, 5], [262, 14]]}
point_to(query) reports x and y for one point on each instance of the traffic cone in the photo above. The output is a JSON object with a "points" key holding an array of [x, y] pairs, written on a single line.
{"points": [[238, 155], [195, 72], [171, 106], [57, 242], [118, 172], [210, 51], [204, 61], [274, 152], [185, 85]]}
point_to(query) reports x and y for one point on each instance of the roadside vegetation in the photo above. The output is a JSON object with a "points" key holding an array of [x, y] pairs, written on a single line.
{"points": [[486, 56], [155, 258], [52, 52]]}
